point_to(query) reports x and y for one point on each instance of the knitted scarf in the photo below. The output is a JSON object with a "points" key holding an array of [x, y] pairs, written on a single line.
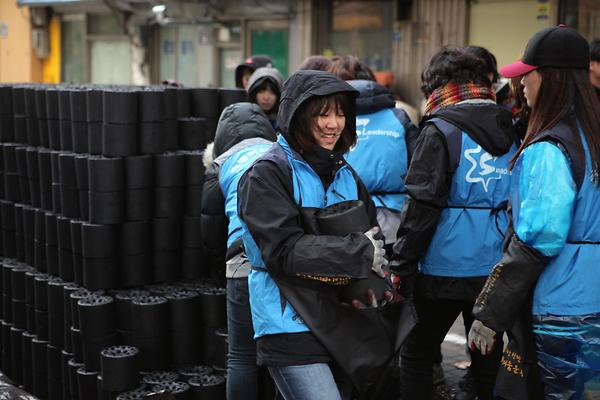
{"points": [[453, 93]]}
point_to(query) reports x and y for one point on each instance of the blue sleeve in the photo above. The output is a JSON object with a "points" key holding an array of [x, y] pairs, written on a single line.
{"points": [[547, 194]]}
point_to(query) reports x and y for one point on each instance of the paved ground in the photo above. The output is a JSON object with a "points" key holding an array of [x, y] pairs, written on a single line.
{"points": [[453, 351]]}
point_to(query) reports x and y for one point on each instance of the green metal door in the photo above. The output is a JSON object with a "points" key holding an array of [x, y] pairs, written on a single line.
{"points": [[274, 43]]}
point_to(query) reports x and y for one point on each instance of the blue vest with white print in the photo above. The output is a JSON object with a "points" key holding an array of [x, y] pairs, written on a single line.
{"points": [[268, 317], [469, 235], [569, 285], [229, 176], [380, 157]]}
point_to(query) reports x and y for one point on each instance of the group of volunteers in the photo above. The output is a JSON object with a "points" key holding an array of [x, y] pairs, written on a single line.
{"points": [[352, 239]]}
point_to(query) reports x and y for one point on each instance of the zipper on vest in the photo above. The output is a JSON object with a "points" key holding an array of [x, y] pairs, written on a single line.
{"points": [[337, 194]]}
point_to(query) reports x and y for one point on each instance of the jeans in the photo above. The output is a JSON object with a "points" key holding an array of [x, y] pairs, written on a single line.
{"points": [[421, 349], [242, 371], [309, 382]]}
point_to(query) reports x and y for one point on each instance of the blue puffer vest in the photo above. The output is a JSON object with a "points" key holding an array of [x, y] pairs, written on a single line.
{"points": [[268, 315], [470, 231], [381, 138]]}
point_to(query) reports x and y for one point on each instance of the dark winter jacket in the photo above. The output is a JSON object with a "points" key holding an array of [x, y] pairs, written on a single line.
{"points": [[286, 249], [428, 184], [241, 126]]}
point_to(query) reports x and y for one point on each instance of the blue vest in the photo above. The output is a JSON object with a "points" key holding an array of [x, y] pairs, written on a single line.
{"points": [[380, 157], [229, 175], [268, 317], [469, 235], [570, 284]]}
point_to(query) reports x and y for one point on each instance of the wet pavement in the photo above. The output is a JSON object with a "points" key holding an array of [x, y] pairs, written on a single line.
{"points": [[454, 362]]}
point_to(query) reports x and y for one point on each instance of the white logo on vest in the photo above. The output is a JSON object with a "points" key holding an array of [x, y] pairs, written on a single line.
{"points": [[481, 171]]}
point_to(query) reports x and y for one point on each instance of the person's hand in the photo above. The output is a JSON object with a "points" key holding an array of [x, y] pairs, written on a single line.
{"points": [[379, 259], [481, 337], [388, 297]]}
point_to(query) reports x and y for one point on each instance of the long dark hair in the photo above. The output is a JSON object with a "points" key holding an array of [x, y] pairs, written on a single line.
{"points": [[303, 122], [561, 91]]}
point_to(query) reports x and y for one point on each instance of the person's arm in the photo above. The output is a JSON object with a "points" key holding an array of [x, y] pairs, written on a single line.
{"points": [[547, 198], [427, 183], [272, 217], [213, 218], [542, 218]]}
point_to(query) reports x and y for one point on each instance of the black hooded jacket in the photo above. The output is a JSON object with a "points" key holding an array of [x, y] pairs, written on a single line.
{"points": [[251, 63], [428, 184], [291, 250], [240, 125]]}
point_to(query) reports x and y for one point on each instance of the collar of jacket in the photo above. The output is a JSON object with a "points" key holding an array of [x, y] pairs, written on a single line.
{"points": [[323, 162]]}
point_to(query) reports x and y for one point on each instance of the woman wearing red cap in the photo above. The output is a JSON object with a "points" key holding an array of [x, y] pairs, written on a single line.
{"points": [[546, 289]]}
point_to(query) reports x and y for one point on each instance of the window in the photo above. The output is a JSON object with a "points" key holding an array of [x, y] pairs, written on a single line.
{"points": [[363, 29]]}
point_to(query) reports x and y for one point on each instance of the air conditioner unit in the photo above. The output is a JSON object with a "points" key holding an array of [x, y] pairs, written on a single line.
{"points": [[40, 43]]}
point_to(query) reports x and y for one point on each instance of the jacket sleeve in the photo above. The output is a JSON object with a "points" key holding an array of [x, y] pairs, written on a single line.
{"points": [[411, 132], [546, 196], [427, 184], [272, 217], [213, 219], [508, 285]]}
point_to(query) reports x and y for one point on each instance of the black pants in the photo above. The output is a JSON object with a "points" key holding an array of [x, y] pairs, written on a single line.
{"points": [[420, 350]]}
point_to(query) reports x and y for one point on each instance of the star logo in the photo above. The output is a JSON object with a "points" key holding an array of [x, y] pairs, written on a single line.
{"points": [[481, 171]]}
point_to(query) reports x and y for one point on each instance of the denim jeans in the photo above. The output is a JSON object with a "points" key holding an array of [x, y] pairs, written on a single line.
{"points": [[307, 382], [242, 371]]}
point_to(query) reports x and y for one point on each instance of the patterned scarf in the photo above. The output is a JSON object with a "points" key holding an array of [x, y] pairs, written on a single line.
{"points": [[453, 93]]}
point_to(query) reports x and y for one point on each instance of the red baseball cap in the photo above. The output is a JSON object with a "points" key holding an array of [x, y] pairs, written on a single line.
{"points": [[555, 47]]}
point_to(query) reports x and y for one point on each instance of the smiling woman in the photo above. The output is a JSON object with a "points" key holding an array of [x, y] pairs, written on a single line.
{"points": [[329, 125], [322, 121], [302, 329]]}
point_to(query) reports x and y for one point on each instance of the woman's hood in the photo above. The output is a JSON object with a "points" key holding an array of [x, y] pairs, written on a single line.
{"points": [[238, 122], [306, 84]]}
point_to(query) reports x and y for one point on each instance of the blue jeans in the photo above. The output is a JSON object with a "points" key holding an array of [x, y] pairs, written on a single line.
{"points": [[242, 371], [307, 382]]}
